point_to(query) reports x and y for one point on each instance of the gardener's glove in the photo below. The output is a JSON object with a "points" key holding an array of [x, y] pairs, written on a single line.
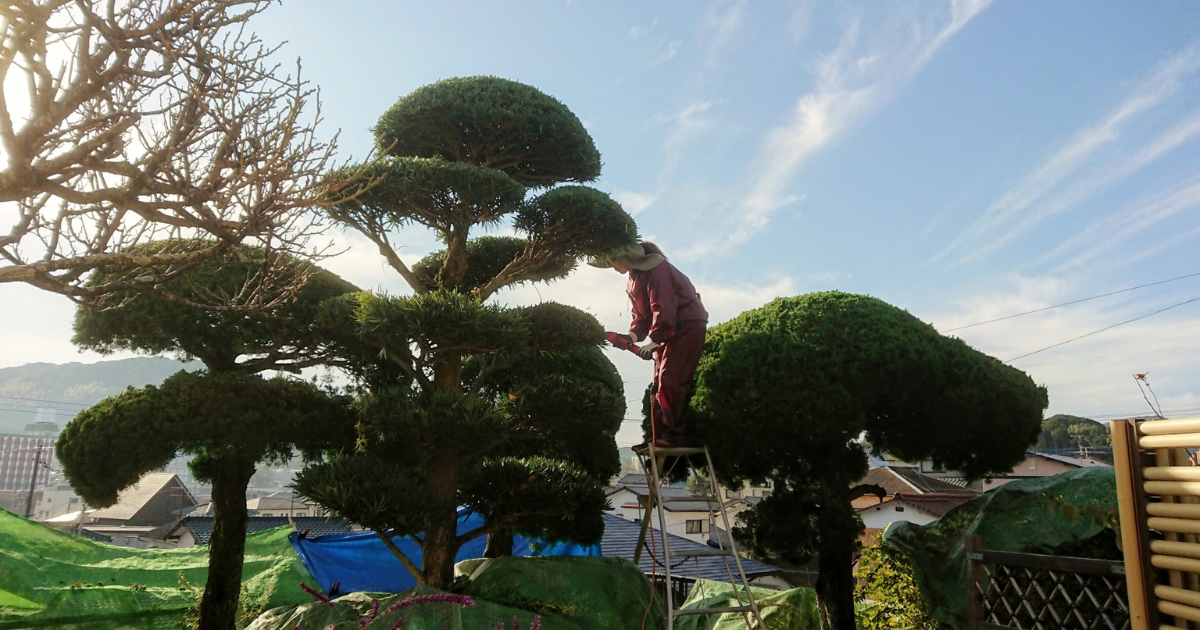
{"points": [[632, 336], [647, 350]]}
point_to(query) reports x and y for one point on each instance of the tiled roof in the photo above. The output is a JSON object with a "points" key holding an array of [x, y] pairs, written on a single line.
{"points": [[96, 536], [934, 504], [201, 526], [620, 541], [276, 503], [906, 481], [132, 499], [1072, 461]]}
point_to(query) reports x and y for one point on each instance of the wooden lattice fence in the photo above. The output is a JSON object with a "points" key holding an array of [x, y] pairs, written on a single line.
{"points": [[1024, 591]]}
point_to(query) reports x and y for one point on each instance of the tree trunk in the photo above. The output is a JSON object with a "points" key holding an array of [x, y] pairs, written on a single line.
{"points": [[499, 544], [835, 590], [227, 546], [441, 538], [439, 549]]}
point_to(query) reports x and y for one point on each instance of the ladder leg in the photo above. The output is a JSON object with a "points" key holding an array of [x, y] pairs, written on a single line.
{"points": [[655, 465], [712, 475], [641, 543]]}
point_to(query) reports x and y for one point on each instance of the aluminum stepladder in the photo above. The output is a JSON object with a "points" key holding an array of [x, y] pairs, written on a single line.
{"points": [[652, 460]]}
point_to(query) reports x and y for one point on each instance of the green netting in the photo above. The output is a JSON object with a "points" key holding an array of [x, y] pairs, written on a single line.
{"points": [[1039, 515], [795, 609], [50, 578], [568, 593]]}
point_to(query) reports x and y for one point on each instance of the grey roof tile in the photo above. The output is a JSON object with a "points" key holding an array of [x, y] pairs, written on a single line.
{"points": [[201, 526], [620, 541]]}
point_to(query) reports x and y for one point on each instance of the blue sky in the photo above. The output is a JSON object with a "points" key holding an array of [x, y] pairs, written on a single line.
{"points": [[962, 160]]}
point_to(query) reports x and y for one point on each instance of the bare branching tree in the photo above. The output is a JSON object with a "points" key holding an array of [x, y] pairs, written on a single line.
{"points": [[143, 137]]}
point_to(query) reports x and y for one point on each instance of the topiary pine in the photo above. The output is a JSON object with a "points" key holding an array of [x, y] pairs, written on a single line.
{"points": [[786, 391], [510, 412], [226, 416]]}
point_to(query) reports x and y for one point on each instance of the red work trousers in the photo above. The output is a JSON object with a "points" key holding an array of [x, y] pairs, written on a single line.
{"points": [[674, 366]]}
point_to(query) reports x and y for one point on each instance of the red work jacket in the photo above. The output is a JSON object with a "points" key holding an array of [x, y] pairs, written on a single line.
{"points": [[662, 298]]}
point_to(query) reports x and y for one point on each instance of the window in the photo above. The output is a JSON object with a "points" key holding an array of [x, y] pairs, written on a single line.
{"points": [[899, 509], [1032, 464], [695, 526]]}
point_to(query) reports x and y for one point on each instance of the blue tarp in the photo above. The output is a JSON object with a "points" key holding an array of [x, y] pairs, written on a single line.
{"points": [[361, 562]]}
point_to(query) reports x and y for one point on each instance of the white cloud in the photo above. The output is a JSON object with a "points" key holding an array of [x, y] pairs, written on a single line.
{"points": [[639, 31], [1105, 236], [852, 82], [798, 22], [1091, 376], [687, 123], [722, 21], [633, 202], [1054, 186], [667, 52]]}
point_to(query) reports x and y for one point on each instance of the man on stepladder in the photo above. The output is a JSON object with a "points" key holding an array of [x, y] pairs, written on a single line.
{"points": [[669, 322]]}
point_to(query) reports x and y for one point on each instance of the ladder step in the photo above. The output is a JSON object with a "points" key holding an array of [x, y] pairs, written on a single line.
{"points": [[674, 452], [695, 499], [703, 553], [713, 611]]}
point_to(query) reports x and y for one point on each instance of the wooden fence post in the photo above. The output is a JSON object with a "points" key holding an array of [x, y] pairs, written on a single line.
{"points": [[971, 547], [1126, 460]]}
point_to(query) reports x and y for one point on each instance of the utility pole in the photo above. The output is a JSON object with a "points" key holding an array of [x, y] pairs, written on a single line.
{"points": [[37, 461]]}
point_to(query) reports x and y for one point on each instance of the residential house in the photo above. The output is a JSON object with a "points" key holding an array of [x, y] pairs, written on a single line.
{"points": [[901, 480], [155, 500], [56, 500], [620, 541], [916, 508], [282, 506], [1042, 465]]}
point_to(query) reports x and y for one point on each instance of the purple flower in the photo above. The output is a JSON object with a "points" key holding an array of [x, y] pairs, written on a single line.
{"points": [[463, 600], [317, 594], [399, 622], [362, 623], [537, 622], [331, 627]]}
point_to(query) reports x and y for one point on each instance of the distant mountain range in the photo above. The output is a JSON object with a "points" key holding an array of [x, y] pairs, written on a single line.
{"points": [[49, 392]]}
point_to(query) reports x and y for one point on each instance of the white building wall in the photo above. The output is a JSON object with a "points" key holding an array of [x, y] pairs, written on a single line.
{"points": [[879, 517]]}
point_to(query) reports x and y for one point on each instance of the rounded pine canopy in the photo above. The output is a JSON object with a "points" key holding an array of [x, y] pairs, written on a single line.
{"points": [[492, 122]]}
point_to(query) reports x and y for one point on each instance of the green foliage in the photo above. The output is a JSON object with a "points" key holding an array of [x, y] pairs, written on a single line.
{"points": [[556, 326], [1064, 431], [232, 415], [281, 337], [487, 256], [801, 374], [381, 494], [510, 411], [891, 598], [576, 221], [492, 122], [450, 322], [548, 498], [436, 193], [785, 392]]}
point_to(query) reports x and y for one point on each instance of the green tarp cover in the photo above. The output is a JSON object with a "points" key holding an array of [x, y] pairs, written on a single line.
{"points": [[1036, 515], [795, 609], [568, 593], [53, 579]]}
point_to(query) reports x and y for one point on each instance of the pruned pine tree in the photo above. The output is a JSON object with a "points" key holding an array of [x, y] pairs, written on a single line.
{"points": [[510, 412], [227, 416], [786, 392]]}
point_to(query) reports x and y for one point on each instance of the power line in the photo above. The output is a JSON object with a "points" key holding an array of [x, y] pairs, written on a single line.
{"points": [[53, 402], [1087, 299], [1094, 332]]}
